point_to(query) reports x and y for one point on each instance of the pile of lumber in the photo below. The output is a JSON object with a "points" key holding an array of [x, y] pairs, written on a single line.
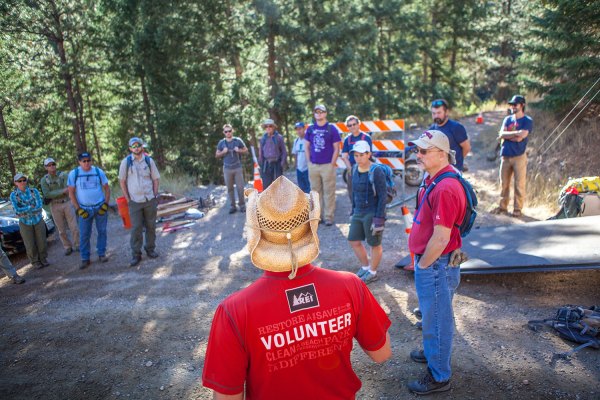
{"points": [[176, 207]]}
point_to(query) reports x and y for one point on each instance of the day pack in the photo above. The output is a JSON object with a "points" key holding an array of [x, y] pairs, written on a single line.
{"points": [[389, 180], [130, 164], [471, 197], [574, 323]]}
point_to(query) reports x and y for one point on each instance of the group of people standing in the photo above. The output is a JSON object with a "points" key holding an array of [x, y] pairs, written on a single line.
{"points": [[79, 200], [296, 322]]}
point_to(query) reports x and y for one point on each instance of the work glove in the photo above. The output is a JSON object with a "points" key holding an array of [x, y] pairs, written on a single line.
{"points": [[82, 213], [377, 225], [458, 257], [103, 209]]}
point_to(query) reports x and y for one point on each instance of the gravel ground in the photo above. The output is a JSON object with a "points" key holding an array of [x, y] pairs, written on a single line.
{"points": [[113, 332]]}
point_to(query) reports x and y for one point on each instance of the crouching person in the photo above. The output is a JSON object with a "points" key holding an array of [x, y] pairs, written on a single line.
{"points": [[289, 334]]}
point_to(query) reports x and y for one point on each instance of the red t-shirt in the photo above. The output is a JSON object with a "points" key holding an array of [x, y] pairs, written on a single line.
{"points": [[292, 338], [448, 206]]}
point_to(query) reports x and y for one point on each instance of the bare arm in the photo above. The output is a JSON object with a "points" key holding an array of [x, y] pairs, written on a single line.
{"points": [[307, 150], [221, 153], [384, 353], [155, 183], [346, 159], [123, 185], [106, 193], [73, 197], [336, 153], [221, 396], [466, 147], [436, 245]]}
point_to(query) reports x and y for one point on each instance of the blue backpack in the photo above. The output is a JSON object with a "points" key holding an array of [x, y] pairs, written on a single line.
{"points": [[470, 213], [390, 185]]}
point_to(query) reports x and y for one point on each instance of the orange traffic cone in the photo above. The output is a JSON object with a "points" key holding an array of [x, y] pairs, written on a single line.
{"points": [[258, 184], [479, 119]]}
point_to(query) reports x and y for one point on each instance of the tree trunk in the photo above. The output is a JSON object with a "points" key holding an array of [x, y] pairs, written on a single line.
{"points": [[271, 69], [94, 135], [149, 123], [9, 156], [80, 116], [381, 98]]}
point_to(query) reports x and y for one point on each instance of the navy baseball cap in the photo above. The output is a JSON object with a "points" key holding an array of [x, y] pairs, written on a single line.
{"points": [[83, 155], [517, 99], [299, 125]]}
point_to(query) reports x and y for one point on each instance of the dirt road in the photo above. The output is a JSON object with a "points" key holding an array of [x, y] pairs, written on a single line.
{"points": [[115, 332]]}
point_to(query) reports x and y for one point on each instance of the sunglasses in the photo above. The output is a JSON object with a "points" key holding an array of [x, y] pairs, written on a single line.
{"points": [[351, 125], [136, 146], [87, 160], [269, 126], [320, 112], [51, 165], [438, 103], [228, 131], [425, 151], [21, 180]]}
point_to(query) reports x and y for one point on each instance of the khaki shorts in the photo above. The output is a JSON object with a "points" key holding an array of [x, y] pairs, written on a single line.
{"points": [[360, 229]]}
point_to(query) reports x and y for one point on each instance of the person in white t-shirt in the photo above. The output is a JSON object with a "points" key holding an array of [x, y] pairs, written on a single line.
{"points": [[301, 164]]}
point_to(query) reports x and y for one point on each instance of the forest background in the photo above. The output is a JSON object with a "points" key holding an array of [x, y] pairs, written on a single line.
{"points": [[81, 75]]}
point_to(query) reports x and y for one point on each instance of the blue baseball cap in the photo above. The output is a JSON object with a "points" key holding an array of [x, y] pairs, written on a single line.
{"points": [[299, 125], [83, 155]]}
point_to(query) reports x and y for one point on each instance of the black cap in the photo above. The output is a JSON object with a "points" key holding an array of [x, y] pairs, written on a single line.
{"points": [[517, 99], [83, 155]]}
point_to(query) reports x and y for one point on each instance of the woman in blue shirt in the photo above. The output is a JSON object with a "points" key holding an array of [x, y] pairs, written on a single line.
{"points": [[28, 205], [368, 210]]}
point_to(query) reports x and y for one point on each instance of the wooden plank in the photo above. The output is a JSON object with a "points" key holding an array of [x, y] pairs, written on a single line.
{"points": [[176, 208], [174, 202]]}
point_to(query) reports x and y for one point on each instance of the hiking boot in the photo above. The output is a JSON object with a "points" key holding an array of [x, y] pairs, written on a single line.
{"points": [[417, 312], [68, 251], [517, 214], [103, 259], [84, 264], [361, 271], [418, 356], [135, 261], [328, 223], [242, 209], [45, 263], [232, 210], [152, 254], [369, 277], [499, 210], [17, 279], [427, 385], [38, 265]]}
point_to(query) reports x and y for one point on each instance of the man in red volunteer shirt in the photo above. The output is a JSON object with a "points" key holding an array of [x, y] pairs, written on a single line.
{"points": [[289, 335], [434, 239]]}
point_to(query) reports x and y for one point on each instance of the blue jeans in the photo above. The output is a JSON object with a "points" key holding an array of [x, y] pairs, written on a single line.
{"points": [[435, 289], [303, 181], [85, 232]]}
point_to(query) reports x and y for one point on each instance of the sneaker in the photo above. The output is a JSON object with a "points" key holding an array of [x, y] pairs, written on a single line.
{"points": [[328, 223], [68, 251], [17, 279], [243, 209], [361, 271], [499, 210], [38, 265], [103, 259], [135, 261], [232, 210], [369, 277], [428, 385], [152, 254], [84, 264], [418, 356], [517, 214], [45, 263]]}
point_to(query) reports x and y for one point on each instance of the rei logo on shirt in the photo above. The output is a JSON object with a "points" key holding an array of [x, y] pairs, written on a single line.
{"points": [[302, 298]]}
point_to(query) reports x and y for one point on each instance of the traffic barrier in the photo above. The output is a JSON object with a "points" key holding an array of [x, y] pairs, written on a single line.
{"points": [[124, 211]]}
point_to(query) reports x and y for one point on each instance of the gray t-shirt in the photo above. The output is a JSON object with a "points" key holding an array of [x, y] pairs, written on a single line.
{"points": [[231, 160]]}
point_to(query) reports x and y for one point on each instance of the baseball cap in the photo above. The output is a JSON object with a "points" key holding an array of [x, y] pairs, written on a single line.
{"points": [[320, 107], [134, 140], [83, 155], [435, 138], [269, 121], [18, 176], [48, 161], [362, 146], [299, 124], [517, 99]]}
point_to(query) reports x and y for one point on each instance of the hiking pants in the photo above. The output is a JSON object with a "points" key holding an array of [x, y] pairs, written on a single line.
{"points": [[518, 166], [435, 289], [34, 237], [322, 180], [63, 215], [235, 177], [6, 265], [270, 171], [143, 226]]}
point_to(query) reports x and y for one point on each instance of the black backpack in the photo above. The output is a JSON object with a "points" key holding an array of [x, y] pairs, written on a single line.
{"points": [[576, 324], [471, 197]]}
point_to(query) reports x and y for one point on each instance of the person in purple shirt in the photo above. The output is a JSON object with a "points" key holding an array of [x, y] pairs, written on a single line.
{"points": [[322, 145], [272, 154], [457, 134]]}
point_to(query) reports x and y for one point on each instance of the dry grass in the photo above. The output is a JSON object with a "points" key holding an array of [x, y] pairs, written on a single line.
{"points": [[573, 155]]}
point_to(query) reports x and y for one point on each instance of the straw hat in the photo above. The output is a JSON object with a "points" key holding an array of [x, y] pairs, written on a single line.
{"points": [[281, 225]]}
